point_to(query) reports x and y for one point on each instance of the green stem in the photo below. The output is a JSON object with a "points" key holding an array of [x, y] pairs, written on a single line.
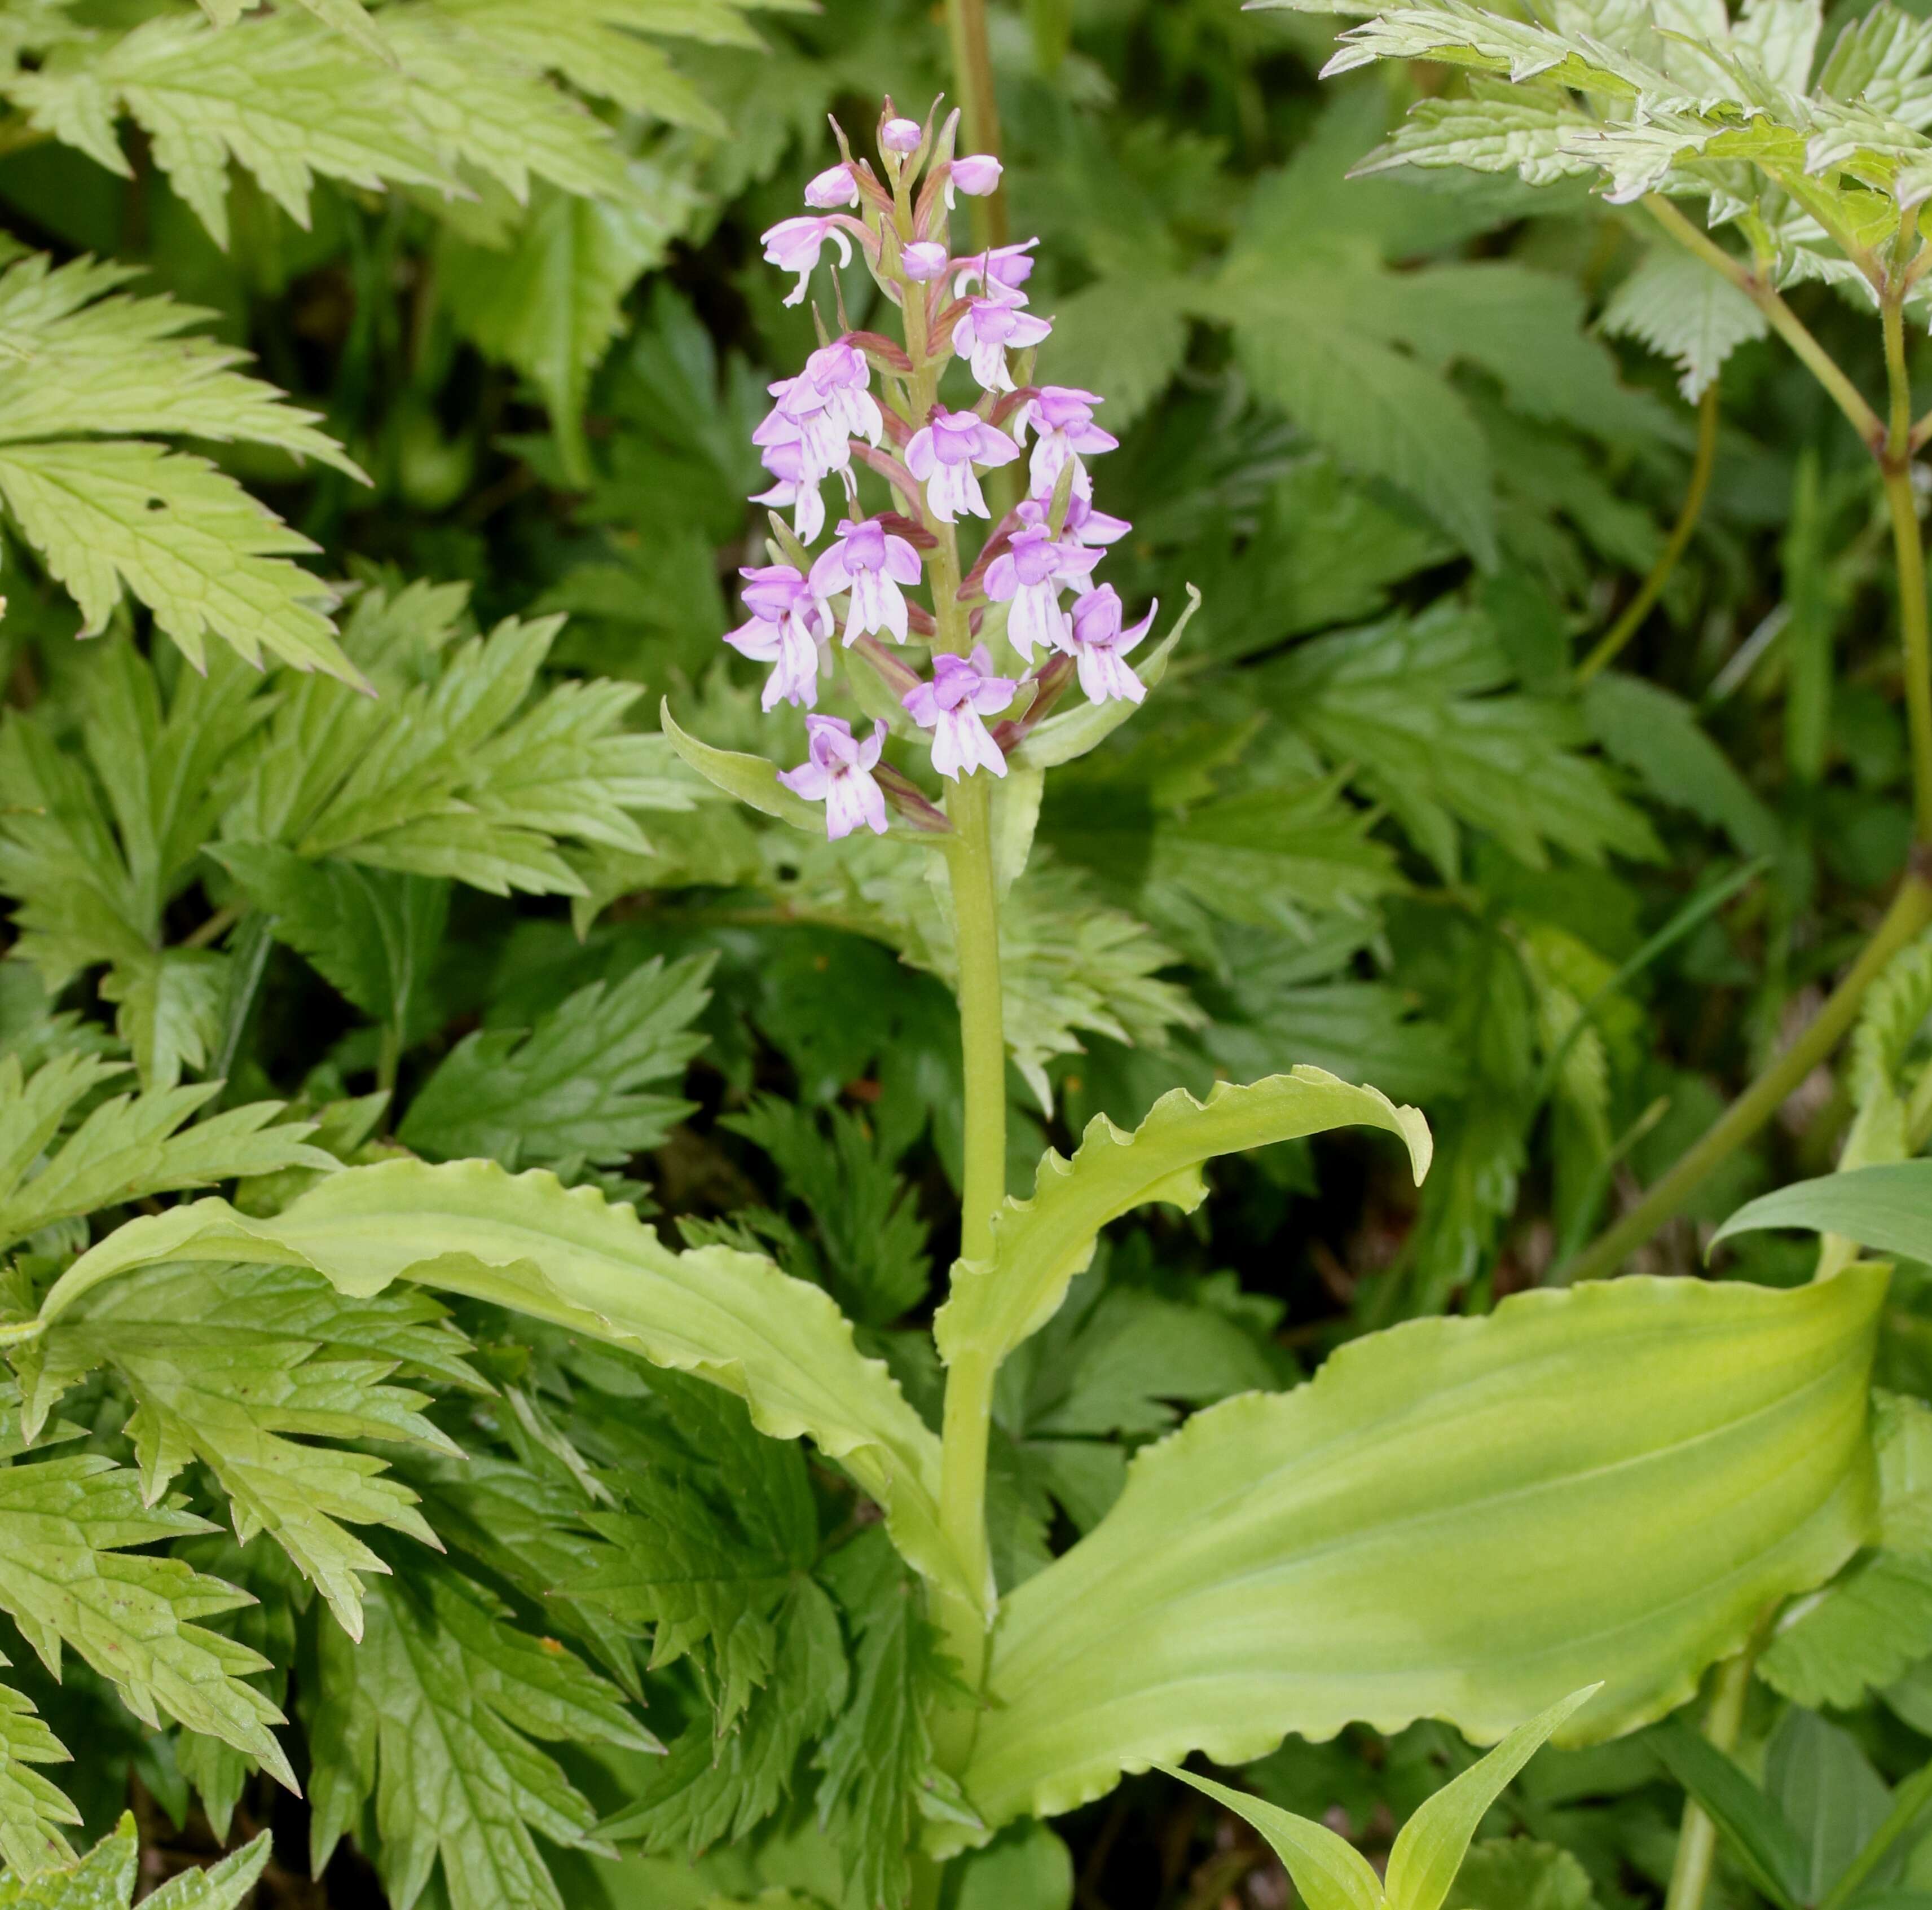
{"points": [[1908, 550], [1626, 626], [1697, 1837], [969, 1380], [1911, 910], [979, 108], [1784, 321], [1910, 1798]]}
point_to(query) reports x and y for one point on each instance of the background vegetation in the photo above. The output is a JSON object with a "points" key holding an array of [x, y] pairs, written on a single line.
{"points": [[1393, 430]]}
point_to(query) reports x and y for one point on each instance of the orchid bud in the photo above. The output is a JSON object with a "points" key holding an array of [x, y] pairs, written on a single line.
{"points": [[900, 136], [837, 185], [975, 174], [924, 260]]}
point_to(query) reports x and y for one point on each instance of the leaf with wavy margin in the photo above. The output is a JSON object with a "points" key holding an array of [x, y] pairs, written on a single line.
{"points": [[1040, 1244], [1458, 1520], [524, 1242]]}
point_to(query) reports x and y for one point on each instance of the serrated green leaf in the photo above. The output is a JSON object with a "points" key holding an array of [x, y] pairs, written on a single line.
{"points": [[1864, 1631], [551, 303], [183, 537], [307, 1363], [127, 1149], [1682, 309], [1516, 1874], [1040, 1244], [104, 1879], [371, 933], [570, 1088], [67, 1576], [32, 1810], [432, 1713], [1563, 1422]]}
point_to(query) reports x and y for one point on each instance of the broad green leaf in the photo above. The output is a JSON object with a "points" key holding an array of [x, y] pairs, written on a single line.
{"points": [[1674, 1455], [1429, 1849], [1818, 1776], [32, 1809], [1040, 1244], [1756, 1830], [1328, 1871], [1887, 1207], [524, 1242], [570, 1090], [104, 1879]]}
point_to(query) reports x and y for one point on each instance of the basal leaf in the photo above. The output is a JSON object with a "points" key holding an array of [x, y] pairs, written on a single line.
{"points": [[1671, 1455], [1887, 1207], [1328, 1870], [524, 1242]]}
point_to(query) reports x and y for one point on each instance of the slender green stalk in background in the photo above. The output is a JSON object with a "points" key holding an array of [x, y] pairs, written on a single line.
{"points": [[1890, 440], [979, 108], [1627, 626], [1697, 1840], [1910, 912]]}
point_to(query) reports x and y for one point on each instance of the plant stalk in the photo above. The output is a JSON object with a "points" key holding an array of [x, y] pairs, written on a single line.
{"points": [[979, 108], [1908, 550], [1627, 626], [1910, 912], [1697, 1840], [969, 1380]]}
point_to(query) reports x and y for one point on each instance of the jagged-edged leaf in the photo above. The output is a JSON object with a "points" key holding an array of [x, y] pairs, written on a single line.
{"points": [[1672, 1455], [69, 1576], [572, 1088], [247, 1370], [525, 1242], [1887, 1207], [461, 767], [708, 1789], [371, 933], [1040, 1244], [550, 302], [1864, 1631], [1682, 309], [126, 1148], [432, 1714], [1414, 705], [1514, 1873], [89, 362], [33, 1810], [184, 536], [104, 1879]]}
